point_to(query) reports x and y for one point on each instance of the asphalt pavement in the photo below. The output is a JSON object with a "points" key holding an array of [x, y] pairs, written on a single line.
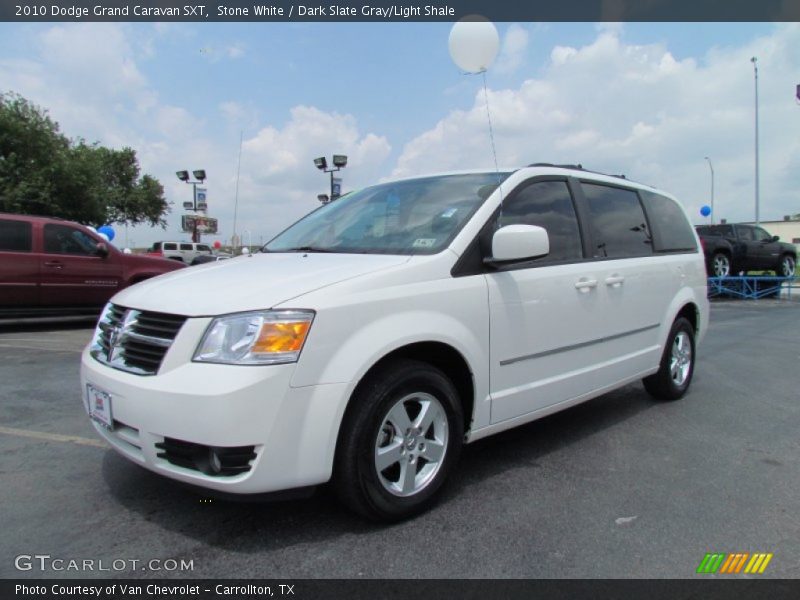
{"points": [[621, 486]]}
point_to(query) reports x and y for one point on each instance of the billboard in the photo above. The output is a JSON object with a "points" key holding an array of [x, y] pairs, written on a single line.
{"points": [[204, 224]]}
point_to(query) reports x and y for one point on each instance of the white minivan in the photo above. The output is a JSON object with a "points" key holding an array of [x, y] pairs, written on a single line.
{"points": [[371, 339]]}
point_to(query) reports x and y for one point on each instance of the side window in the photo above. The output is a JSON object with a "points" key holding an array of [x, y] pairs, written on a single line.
{"points": [[618, 223], [186, 247], [62, 239], [671, 230], [155, 247], [169, 246], [745, 233], [547, 204], [203, 248], [15, 236], [726, 231], [761, 235]]}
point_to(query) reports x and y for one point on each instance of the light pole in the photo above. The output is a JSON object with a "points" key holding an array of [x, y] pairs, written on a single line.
{"points": [[710, 166], [200, 175], [754, 60], [340, 162]]}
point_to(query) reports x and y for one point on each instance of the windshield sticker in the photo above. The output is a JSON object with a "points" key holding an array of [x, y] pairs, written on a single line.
{"points": [[449, 213], [424, 243]]}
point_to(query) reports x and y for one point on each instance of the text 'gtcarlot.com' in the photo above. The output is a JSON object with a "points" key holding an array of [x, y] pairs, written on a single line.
{"points": [[46, 562]]}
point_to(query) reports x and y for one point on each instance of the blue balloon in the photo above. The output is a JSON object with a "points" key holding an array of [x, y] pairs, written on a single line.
{"points": [[706, 210], [107, 230]]}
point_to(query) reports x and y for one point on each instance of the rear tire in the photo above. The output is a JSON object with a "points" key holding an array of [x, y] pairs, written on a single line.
{"points": [[399, 440], [720, 265], [677, 363]]}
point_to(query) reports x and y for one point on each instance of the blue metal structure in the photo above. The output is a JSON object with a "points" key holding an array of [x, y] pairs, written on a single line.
{"points": [[750, 287]]}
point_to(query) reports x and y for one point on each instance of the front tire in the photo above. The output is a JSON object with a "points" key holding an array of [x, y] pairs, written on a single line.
{"points": [[786, 266], [400, 438], [677, 364]]}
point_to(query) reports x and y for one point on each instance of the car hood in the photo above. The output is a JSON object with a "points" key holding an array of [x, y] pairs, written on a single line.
{"points": [[249, 282]]}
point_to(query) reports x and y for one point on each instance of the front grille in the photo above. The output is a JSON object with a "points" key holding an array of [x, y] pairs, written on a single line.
{"points": [[215, 461], [134, 340]]}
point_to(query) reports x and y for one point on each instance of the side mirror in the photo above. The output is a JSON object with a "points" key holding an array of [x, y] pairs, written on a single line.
{"points": [[776, 238], [518, 242], [101, 249]]}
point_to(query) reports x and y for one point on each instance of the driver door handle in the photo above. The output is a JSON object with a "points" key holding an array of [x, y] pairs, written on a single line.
{"points": [[615, 280], [54, 264], [585, 285]]}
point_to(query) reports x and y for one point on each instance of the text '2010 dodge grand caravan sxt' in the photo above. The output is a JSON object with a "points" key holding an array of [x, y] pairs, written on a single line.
{"points": [[370, 340]]}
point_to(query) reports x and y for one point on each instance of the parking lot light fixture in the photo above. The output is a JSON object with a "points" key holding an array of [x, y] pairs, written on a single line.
{"points": [[339, 162], [200, 176]]}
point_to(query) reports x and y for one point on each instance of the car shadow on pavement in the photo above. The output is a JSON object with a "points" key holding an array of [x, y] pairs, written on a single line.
{"points": [[267, 526]]}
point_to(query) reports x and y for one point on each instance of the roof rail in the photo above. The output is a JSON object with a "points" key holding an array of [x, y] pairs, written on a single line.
{"points": [[578, 167], [544, 164]]}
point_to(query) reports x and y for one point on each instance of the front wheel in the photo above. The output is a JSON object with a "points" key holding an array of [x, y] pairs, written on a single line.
{"points": [[677, 364], [786, 266], [400, 438]]}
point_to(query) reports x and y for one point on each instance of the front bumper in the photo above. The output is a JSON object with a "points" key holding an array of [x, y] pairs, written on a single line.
{"points": [[292, 430]]}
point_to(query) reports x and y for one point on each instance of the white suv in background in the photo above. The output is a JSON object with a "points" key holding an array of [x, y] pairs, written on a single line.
{"points": [[183, 251], [371, 339]]}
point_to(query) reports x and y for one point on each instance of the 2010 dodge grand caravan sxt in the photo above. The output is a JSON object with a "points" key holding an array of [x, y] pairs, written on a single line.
{"points": [[371, 339]]}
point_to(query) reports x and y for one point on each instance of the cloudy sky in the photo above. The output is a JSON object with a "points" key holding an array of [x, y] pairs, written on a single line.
{"points": [[647, 100]]}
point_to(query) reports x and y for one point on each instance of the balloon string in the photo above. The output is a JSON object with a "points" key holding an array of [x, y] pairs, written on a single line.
{"points": [[491, 138]]}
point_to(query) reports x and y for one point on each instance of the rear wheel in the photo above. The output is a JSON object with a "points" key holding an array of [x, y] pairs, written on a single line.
{"points": [[720, 265], [677, 363], [399, 440]]}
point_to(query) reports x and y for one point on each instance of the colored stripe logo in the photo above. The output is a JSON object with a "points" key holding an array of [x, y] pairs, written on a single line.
{"points": [[737, 562]]}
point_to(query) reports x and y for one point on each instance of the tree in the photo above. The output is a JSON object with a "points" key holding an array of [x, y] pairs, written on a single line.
{"points": [[42, 172]]}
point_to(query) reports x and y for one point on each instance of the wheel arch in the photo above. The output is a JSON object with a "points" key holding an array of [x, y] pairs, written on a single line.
{"points": [[443, 356]]}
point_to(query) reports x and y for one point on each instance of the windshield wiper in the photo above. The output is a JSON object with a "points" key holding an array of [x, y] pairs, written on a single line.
{"points": [[305, 249]]}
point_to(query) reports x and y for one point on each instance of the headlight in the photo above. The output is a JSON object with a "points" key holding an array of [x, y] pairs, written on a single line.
{"points": [[256, 338]]}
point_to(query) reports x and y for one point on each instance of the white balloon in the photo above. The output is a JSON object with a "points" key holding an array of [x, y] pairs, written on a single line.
{"points": [[245, 250], [103, 235], [126, 251], [474, 44]]}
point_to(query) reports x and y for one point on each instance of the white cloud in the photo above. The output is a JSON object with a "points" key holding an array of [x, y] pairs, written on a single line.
{"points": [[279, 182], [636, 109], [515, 45]]}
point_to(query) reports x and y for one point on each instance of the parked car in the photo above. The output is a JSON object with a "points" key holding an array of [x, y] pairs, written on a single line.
{"points": [[371, 339], [185, 252], [734, 248], [54, 266], [207, 258]]}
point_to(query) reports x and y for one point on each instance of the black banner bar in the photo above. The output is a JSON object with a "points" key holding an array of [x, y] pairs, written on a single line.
{"points": [[399, 10], [376, 589]]}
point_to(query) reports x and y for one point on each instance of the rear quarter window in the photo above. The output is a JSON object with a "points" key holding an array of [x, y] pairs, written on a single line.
{"points": [[15, 236], [671, 230]]}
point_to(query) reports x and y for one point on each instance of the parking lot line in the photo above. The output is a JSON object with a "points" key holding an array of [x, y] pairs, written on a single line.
{"points": [[50, 349], [53, 437]]}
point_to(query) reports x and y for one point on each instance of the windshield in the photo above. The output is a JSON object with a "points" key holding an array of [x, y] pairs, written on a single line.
{"points": [[416, 216]]}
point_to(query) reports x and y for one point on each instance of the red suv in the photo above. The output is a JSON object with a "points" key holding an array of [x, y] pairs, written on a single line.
{"points": [[52, 266]]}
